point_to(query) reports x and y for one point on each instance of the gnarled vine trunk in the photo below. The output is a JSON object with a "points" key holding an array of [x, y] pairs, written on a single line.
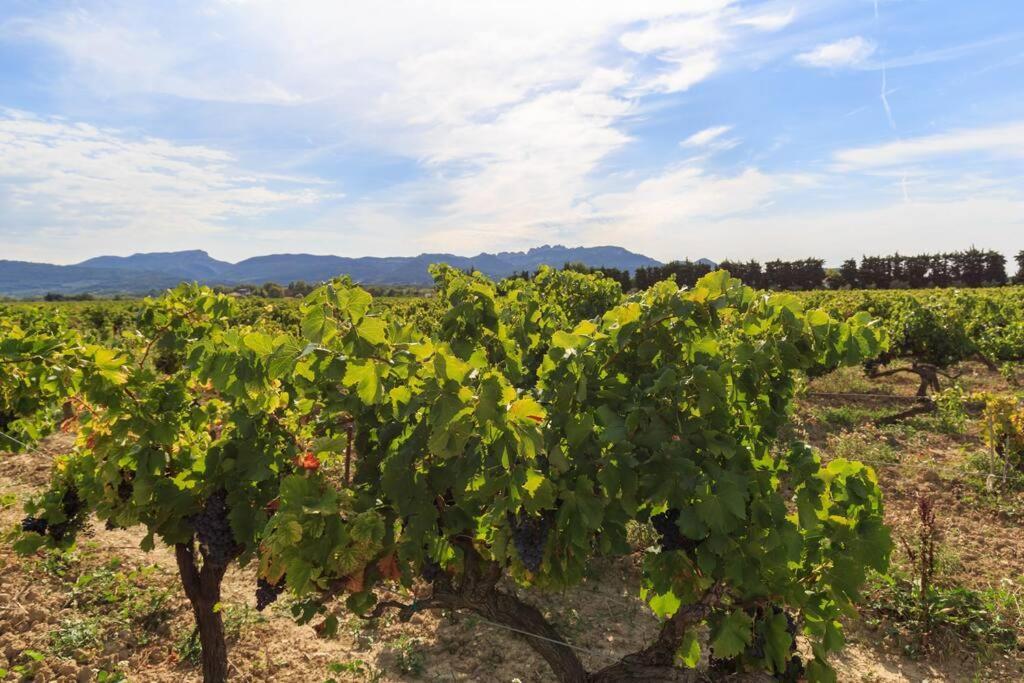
{"points": [[477, 591], [202, 587]]}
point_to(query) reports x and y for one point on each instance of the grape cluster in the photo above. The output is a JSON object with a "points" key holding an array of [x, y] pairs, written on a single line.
{"points": [[213, 529], [756, 648], [34, 525], [71, 505], [167, 362], [125, 487], [431, 571], [266, 592], [530, 534], [794, 672], [671, 538]]}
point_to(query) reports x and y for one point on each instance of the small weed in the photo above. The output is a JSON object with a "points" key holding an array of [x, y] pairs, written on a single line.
{"points": [[951, 413], [976, 619], [7, 500], [30, 662], [1013, 373], [927, 612], [127, 592], [408, 657], [236, 620], [847, 417], [868, 445], [74, 634], [187, 647], [58, 562], [849, 381], [355, 666]]}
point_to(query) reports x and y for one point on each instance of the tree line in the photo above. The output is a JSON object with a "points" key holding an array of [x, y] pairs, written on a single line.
{"points": [[969, 268]]}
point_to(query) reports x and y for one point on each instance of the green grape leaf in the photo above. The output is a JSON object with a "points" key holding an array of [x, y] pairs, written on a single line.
{"points": [[732, 635]]}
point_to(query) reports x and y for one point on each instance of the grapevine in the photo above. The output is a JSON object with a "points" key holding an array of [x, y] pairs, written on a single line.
{"points": [[502, 430]]}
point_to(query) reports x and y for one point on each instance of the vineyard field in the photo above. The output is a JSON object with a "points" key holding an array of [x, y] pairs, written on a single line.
{"points": [[543, 479]]}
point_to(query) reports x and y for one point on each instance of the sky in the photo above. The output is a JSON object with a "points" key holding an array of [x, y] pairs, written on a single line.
{"points": [[678, 129]]}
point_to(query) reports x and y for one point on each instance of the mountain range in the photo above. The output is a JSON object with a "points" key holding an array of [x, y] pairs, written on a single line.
{"points": [[142, 273]]}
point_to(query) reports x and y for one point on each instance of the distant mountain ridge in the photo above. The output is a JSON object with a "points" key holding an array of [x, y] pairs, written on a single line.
{"points": [[195, 264], [141, 273]]}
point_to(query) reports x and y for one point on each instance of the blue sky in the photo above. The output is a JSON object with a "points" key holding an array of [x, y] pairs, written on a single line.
{"points": [[714, 128]]}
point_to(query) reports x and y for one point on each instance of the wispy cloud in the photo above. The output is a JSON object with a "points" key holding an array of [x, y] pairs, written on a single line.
{"points": [[769, 21], [70, 177], [478, 126], [1001, 141], [847, 52], [711, 140], [944, 54], [509, 109], [687, 195]]}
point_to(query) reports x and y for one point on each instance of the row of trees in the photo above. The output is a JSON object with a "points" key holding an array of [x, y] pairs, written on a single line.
{"points": [[970, 268], [802, 274]]}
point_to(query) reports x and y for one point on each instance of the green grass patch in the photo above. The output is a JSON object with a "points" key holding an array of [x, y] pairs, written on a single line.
{"points": [[237, 620], [849, 381], [985, 622], [848, 417], [872, 446], [75, 634], [129, 596]]}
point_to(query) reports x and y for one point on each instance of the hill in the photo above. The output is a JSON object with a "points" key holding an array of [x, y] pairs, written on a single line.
{"points": [[141, 273]]}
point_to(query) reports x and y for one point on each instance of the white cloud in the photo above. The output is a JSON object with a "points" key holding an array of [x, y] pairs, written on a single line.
{"points": [[706, 137], [688, 70], [64, 178], [686, 193], [509, 109], [836, 231], [1002, 141], [769, 22], [847, 52], [510, 113]]}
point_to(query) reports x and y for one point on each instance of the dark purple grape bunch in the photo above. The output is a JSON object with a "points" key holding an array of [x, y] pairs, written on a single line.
{"points": [[431, 571], [530, 535], [756, 649], [267, 593], [33, 525], [125, 488], [167, 362], [213, 529], [667, 528], [72, 507]]}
